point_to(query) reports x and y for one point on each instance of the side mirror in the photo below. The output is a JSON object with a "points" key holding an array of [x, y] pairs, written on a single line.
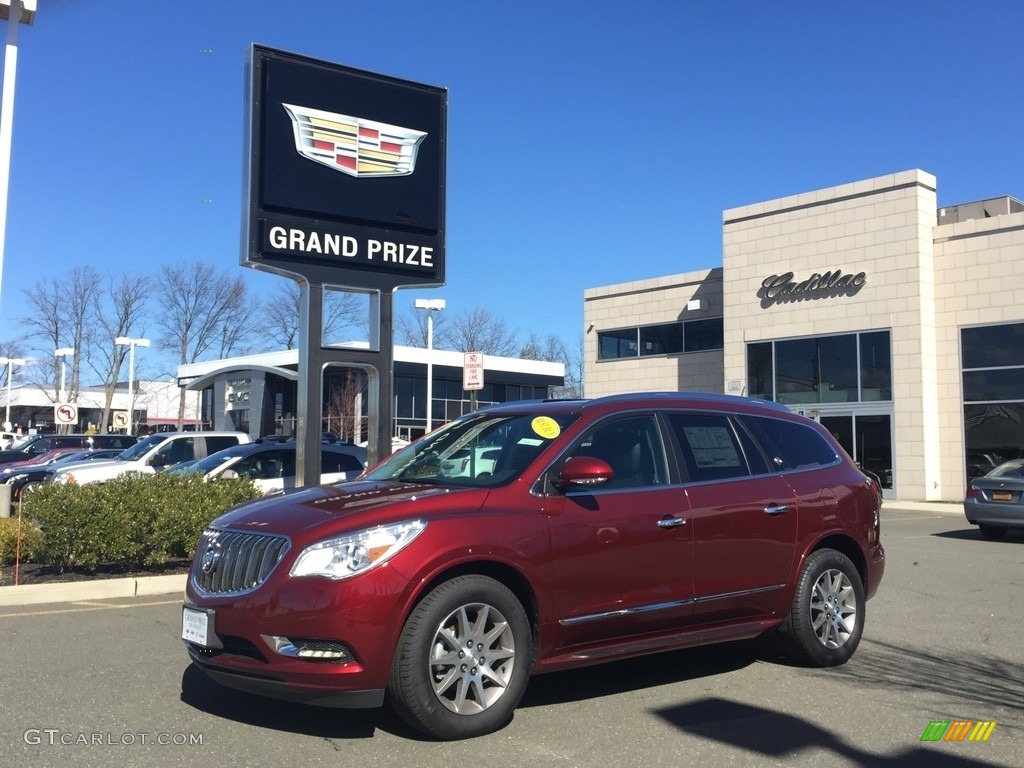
{"points": [[158, 461], [229, 474], [581, 471]]}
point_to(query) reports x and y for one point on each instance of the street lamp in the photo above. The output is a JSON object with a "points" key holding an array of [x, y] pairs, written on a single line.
{"points": [[432, 306], [16, 12], [132, 344], [63, 353], [10, 362]]}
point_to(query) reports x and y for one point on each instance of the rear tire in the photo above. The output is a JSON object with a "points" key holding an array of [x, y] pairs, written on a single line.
{"points": [[826, 619], [463, 659]]}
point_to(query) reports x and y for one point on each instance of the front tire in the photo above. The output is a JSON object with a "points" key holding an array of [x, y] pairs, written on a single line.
{"points": [[826, 619], [463, 659]]}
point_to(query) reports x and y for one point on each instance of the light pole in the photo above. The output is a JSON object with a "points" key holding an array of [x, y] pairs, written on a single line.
{"points": [[16, 12], [432, 306], [10, 362], [63, 353], [132, 344]]}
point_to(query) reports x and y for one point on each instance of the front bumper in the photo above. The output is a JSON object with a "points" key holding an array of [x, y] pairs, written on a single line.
{"points": [[255, 638]]}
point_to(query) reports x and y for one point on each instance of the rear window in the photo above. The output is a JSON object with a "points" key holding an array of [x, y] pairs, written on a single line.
{"points": [[791, 445], [216, 443], [339, 462]]}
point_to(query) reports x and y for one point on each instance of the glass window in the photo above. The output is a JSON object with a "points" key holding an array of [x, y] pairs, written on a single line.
{"points": [[837, 363], [796, 371], [759, 370], [612, 345], [216, 443], [993, 434], [1001, 384], [875, 366], [993, 346], [661, 339], [791, 445], [704, 334], [709, 446], [631, 446], [332, 461]]}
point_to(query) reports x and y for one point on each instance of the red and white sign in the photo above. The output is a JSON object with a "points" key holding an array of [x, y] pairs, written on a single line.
{"points": [[473, 371], [65, 413], [120, 419]]}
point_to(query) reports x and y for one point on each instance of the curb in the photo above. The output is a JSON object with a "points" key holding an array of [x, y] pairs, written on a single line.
{"points": [[100, 589]]}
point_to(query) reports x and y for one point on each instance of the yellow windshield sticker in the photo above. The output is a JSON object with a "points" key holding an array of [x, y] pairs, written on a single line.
{"points": [[546, 427]]}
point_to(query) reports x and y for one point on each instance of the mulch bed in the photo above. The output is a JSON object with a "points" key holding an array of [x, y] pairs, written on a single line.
{"points": [[34, 573]]}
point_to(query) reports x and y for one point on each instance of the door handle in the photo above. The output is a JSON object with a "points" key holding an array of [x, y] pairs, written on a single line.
{"points": [[776, 509], [671, 522]]}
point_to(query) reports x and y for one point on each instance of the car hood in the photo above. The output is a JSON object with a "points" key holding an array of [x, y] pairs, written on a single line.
{"points": [[78, 466], [326, 509]]}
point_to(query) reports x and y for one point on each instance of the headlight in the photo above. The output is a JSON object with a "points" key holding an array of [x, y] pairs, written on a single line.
{"points": [[356, 552]]}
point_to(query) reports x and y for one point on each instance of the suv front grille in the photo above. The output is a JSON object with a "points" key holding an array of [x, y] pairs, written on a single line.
{"points": [[229, 562]]}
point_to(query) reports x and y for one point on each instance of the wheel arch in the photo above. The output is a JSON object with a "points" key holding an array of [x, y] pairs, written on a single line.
{"points": [[848, 547], [503, 573]]}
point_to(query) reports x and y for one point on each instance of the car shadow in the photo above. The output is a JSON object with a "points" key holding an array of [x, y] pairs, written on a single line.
{"points": [[973, 534], [779, 736], [638, 673], [200, 692]]}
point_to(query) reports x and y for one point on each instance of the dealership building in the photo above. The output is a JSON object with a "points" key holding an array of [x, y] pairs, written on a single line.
{"points": [[897, 324], [258, 393]]}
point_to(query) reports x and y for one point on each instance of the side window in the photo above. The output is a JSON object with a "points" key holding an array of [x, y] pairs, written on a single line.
{"points": [[177, 450], [709, 446], [267, 465], [632, 447], [791, 445]]}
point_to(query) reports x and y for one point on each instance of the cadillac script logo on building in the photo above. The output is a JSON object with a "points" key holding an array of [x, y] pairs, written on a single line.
{"points": [[353, 145]]}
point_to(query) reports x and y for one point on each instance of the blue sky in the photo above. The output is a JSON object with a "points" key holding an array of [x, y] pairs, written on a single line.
{"points": [[589, 142]]}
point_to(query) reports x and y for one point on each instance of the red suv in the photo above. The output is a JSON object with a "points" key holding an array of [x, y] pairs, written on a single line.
{"points": [[599, 530]]}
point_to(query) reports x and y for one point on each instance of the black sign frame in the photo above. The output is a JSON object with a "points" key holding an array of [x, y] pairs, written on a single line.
{"points": [[302, 217]]}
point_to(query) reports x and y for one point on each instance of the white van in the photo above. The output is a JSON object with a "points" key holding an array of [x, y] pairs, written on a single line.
{"points": [[151, 454]]}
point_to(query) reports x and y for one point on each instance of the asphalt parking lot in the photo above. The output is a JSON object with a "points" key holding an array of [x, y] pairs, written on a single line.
{"points": [[91, 682]]}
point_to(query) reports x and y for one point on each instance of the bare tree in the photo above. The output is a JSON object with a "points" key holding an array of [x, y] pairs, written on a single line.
{"points": [[203, 312], [59, 318], [280, 325], [121, 311], [340, 411], [476, 330], [553, 349]]}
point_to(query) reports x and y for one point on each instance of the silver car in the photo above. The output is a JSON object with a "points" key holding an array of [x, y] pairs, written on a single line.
{"points": [[995, 502]]}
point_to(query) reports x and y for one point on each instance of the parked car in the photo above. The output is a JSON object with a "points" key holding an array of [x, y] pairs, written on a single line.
{"points": [[33, 445], [154, 453], [606, 529], [995, 502], [26, 477], [271, 465]]}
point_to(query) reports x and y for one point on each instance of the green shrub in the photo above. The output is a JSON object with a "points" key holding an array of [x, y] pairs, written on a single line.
{"points": [[131, 520], [31, 540]]}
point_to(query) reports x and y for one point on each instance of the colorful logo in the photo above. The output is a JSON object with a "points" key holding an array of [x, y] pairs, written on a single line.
{"points": [[958, 730], [353, 145]]}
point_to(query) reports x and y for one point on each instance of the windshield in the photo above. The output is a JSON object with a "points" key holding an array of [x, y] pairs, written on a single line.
{"points": [[142, 447], [21, 442], [481, 449]]}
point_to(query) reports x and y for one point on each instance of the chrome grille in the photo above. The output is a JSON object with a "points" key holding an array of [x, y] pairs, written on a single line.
{"points": [[229, 562]]}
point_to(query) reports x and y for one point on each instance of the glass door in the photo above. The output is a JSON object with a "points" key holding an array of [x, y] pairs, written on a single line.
{"points": [[868, 439]]}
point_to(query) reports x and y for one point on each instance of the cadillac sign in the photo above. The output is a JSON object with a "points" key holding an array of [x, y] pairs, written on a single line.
{"points": [[346, 174]]}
